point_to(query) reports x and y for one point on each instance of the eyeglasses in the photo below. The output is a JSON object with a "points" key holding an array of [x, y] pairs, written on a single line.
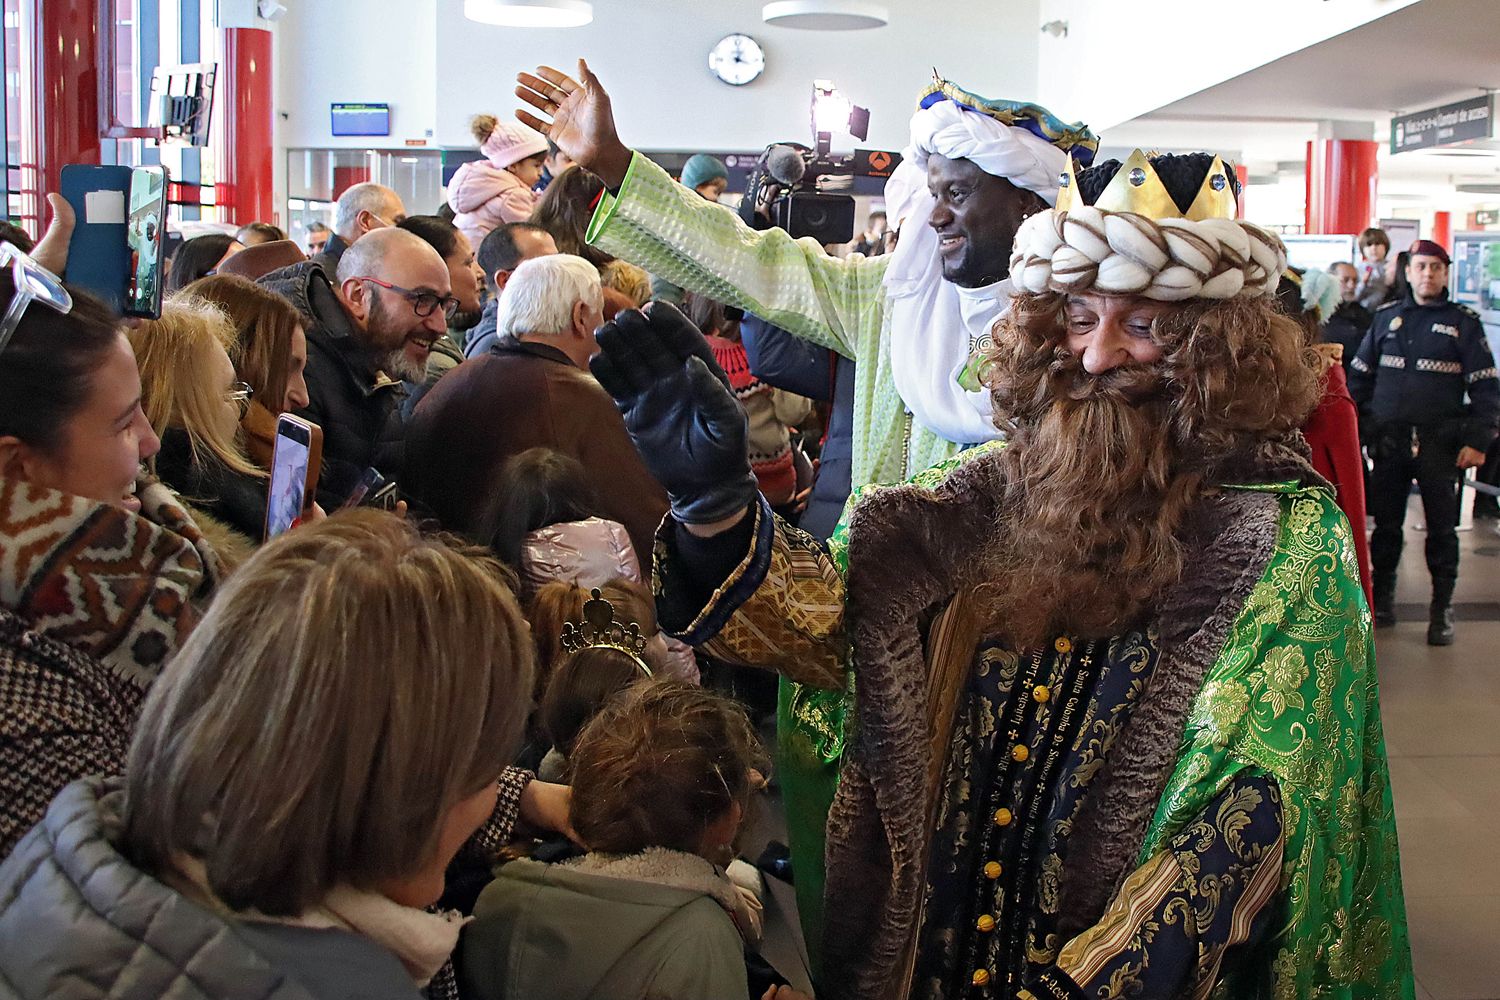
{"points": [[34, 283], [422, 303], [239, 393]]}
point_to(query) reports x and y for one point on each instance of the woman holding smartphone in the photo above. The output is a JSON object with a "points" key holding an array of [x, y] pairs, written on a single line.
{"points": [[269, 354], [102, 572], [195, 400]]}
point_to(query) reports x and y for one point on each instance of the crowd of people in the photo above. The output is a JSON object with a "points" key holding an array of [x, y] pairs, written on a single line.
{"points": [[1047, 505]]}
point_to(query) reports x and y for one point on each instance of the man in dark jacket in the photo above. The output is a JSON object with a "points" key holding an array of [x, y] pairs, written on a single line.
{"points": [[502, 252], [1426, 386], [1350, 320], [532, 390], [364, 335], [787, 362], [361, 209]]}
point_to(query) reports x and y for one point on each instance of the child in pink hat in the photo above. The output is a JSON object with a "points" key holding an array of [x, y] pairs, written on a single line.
{"points": [[490, 192]]}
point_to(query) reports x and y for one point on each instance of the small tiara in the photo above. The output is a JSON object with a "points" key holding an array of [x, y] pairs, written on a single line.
{"points": [[599, 630]]}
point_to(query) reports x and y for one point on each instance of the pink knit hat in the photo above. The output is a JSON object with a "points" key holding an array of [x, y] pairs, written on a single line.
{"points": [[512, 142]]}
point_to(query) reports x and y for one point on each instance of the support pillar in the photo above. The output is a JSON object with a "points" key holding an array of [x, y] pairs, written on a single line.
{"points": [[244, 187], [1442, 230], [65, 90], [1341, 179]]}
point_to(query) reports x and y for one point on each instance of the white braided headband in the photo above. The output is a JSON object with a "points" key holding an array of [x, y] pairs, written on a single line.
{"points": [[1122, 253]]}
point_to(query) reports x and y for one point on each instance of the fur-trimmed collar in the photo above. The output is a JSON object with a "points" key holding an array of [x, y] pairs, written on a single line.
{"points": [[661, 866], [911, 551]]}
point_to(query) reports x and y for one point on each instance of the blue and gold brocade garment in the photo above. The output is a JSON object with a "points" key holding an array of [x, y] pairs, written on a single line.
{"points": [[1031, 733]]}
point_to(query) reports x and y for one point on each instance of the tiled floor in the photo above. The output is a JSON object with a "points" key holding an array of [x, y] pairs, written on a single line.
{"points": [[1442, 724]]}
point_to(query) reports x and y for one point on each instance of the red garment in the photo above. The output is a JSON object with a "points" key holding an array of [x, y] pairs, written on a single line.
{"points": [[1333, 434]]}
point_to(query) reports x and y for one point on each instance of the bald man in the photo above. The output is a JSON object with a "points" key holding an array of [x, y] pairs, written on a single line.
{"points": [[361, 209], [368, 327]]}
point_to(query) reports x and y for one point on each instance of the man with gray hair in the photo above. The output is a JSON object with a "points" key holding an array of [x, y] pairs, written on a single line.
{"points": [[366, 330], [361, 209], [532, 389]]}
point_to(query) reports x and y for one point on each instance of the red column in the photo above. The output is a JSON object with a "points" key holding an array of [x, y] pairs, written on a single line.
{"points": [[1442, 230], [65, 61], [245, 169], [1243, 173], [1341, 177]]}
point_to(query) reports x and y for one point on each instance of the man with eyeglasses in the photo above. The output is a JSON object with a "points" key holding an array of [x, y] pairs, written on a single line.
{"points": [[361, 209], [367, 329]]}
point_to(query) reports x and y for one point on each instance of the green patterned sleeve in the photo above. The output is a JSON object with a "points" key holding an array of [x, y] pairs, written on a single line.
{"points": [[1294, 693], [660, 225]]}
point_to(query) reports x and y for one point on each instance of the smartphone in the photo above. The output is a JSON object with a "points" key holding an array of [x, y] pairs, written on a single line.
{"points": [[371, 479], [295, 458], [145, 235]]}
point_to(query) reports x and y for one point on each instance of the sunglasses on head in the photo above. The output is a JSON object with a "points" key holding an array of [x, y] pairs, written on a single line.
{"points": [[33, 283]]}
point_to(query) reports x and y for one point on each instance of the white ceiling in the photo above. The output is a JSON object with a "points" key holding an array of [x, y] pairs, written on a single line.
{"points": [[1425, 55]]}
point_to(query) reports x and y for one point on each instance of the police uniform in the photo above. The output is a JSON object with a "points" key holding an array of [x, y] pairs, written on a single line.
{"points": [[1425, 382]]}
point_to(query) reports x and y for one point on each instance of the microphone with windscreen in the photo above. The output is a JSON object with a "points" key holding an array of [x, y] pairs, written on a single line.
{"points": [[785, 164]]}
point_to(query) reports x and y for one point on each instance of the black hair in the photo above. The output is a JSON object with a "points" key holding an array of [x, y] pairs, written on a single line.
{"points": [[445, 212], [16, 236], [196, 258], [499, 252], [47, 368], [1181, 173], [537, 488], [271, 234], [436, 232]]}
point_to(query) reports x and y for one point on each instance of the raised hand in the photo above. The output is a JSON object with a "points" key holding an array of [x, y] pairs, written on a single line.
{"points": [[679, 410], [579, 119]]}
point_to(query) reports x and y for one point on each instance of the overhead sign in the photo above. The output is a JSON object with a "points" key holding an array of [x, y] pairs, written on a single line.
{"points": [[1452, 123]]}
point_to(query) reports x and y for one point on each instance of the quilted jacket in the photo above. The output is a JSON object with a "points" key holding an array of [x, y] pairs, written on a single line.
{"points": [[78, 921]]}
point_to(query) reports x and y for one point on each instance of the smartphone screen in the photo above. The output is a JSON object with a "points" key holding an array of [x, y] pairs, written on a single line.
{"points": [[288, 490], [145, 232]]}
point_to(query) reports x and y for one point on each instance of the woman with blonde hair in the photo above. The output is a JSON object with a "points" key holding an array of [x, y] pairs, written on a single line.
{"points": [[194, 401], [286, 815], [269, 354]]}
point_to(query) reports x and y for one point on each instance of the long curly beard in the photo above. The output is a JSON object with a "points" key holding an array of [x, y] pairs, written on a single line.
{"points": [[1095, 497]]}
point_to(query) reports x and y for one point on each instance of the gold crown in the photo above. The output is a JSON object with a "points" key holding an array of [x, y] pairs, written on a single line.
{"points": [[600, 630], [1137, 188]]}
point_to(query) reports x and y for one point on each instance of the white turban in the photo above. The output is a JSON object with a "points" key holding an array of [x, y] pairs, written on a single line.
{"points": [[930, 337], [1017, 154]]}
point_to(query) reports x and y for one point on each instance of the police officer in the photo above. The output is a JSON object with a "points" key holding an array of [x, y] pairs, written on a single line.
{"points": [[1429, 401]]}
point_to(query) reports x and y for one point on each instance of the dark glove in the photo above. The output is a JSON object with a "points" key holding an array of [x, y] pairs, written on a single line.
{"points": [[679, 410]]}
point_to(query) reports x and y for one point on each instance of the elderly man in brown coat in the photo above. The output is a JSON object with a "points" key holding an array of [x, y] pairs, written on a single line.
{"points": [[532, 390]]}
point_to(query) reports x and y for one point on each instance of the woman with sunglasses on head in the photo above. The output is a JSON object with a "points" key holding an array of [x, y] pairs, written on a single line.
{"points": [[269, 354], [195, 401], [102, 572]]}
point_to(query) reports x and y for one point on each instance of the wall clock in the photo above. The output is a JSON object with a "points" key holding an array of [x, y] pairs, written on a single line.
{"points": [[737, 59]]}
